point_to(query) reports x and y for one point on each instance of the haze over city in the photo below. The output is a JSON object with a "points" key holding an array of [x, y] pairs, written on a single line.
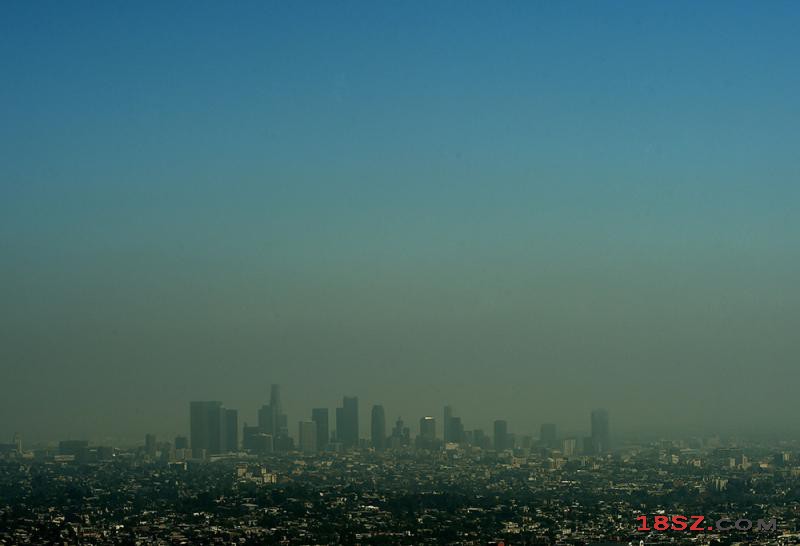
{"points": [[525, 211]]}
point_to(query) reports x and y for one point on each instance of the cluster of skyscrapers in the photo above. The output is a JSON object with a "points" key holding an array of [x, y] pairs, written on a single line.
{"points": [[214, 430]]}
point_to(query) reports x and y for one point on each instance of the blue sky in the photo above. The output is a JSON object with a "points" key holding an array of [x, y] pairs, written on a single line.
{"points": [[558, 199]]}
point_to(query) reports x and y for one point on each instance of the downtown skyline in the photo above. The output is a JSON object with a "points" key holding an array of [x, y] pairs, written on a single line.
{"points": [[317, 432]]}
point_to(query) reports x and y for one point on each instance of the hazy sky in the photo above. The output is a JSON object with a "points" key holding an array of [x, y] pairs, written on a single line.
{"points": [[526, 210]]}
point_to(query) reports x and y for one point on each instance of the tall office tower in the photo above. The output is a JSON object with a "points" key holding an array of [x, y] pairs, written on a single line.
{"points": [[248, 437], [456, 430], [320, 417], [548, 436], [378, 428], [207, 422], [265, 420], [398, 428], [18, 443], [453, 429], [231, 430], [600, 432], [501, 435], [347, 422], [569, 446], [427, 433], [280, 422], [427, 428], [181, 442], [275, 399], [448, 415], [339, 423], [397, 438], [255, 441], [150, 444], [308, 437], [481, 439]]}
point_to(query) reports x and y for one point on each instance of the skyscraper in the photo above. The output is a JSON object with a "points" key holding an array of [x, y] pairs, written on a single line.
{"points": [[320, 417], [206, 424], [401, 436], [272, 420], [453, 429], [378, 428], [456, 430], [231, 430], [308, 437], [448, 415], [339, 423], [548, 436], [347, 422], [280, 425], [501, 435], [600, 432], [427, 429], [256, 441], [265, 420], [275, 398], [569, 446], [427, 433]]}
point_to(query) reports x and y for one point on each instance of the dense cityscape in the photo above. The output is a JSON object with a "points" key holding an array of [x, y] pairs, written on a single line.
{"points": [[329, 485]]}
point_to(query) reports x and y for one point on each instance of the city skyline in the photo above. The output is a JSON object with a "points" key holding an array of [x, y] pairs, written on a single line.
{"points": [[590, 429], [215, 430], [316, 432]]}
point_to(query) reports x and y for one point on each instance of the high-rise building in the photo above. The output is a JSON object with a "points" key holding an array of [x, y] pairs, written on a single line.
{"points": [[600, 432], [569, 446], [481, 439], [265, 420], [456, 430], [248, 437], [448, 415], [256, 441], [206, 428], [339, 422], [548, 435], [308, 437], [401, 435], [273, 422], [320, 417], [453, 429], [280, 422], [275, 398], [263, 443], [427, 433], [378, 428], [231, 430], [181, 442], [347, 422], [427, 428], [501, 439]]}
